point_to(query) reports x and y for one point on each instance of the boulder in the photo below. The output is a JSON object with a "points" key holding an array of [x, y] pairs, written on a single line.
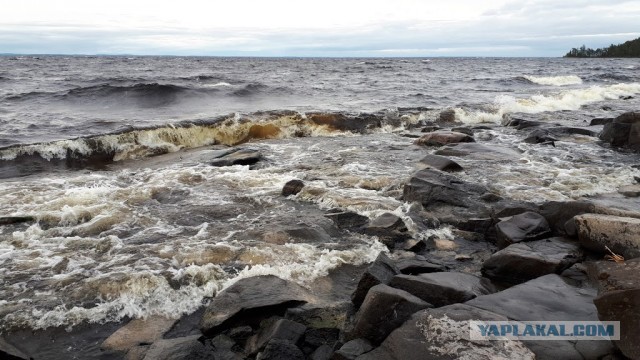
{"points": [[138, 332], [447, 116], [10, 352], [292, 187], [278, 349], [443, 288], [475, 151], [381, 271], [620, 234], [348, 220], [389, 229], [383, 310], [441, 163], [324, 352], [416, 266], [10, 220], [184, 348], [525, 261], [322, 336], [443, 334], [623, 131], [527, 226], [443, 137], [352, 349], [560, 214], [541, 136], [280, 329], [252, 298], [600, 121], [236, 157], [332, 315], [429, 187]]}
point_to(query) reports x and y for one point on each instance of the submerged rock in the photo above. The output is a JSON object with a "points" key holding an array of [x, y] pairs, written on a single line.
{"points": [[447, 116], [348, 220], [620, 234], [475, 151], [623, 131], [527, 226], [237, 157], [443, 137], [292, 187], [443, 288]]}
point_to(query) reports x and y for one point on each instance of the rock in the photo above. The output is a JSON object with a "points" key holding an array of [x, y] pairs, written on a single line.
{"points": [[352, 349], [8, 351], [332, 315], [462, 129], [281, 329], [527, 226], [384, 309], [389, 229], [10, 220], [620, 234], [137, 353], [323, 336], [612, 276], [541, 136], [251, 298], [241, 333], [443, 334], [560, 214], [278, 349], [525, 261], [324, 352], [237, 157], [630, 190], [415, 267], [430, 186], [184, 348], [443, 288], [441, 163], [292, 187], [430, 128], [138, 332], [381, 271], [447, 116], [520, 123], [600, 121], [569, 130], [348, 220], [443, 137], [623, 131], [475, 151]]}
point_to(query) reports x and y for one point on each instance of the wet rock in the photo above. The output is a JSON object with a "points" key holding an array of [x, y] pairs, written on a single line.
{"points": [[463, 129], [520, 123], [10, 220], [569, 130], [600, 121], [360, 123], [240, 333], [292, 187], [443, 288], [184, 348], [441, 163], [541, 136], [324, 352], [381, 271], [443, 334], [560, 214], [623, 131], [10, 352], [430, 128], [620, 234], [430, 186], [323, 336], [415, 267], [223, 349], [138, 332], [333, 315], [278, 349], [475, 151], [352, 349], [527, 226], [281, 329], [137, 353], [389, 229], [443, 137], [447, 116], [348, 220], [630, 190], [236, 157], [252, 299], [525, 261]]}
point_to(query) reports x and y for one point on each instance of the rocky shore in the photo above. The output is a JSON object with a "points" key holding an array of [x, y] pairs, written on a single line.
{"points": [[507, 260]]}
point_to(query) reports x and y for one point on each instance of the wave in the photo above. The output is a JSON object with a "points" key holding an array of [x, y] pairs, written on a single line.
{"points": [[611, 76], [553, 80]]}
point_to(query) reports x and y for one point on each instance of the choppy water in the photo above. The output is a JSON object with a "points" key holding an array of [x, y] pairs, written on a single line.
{"points": [[110, 155]]}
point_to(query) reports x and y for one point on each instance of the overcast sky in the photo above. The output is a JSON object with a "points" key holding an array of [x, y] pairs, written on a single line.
{"points": [[315, 28]]}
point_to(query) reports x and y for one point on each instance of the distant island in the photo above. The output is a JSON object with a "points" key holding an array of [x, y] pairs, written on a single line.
{"points": [[630, 48]]}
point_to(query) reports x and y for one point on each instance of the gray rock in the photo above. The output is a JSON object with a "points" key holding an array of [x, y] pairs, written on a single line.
{"points": [[389, 229], [623, 131], [322, 336], [620, 234], [447, 116], [324, 352], [10, 220], [333, 315], [278, 349], [525, 261], [559, 214], [443, 288], [381, 271], [138, 332], [11, 352], [348, 220], [443, 137], [250, 297], [527, 226], [429, 187], [281, 329], [441, 163], [631, 191], [475, 151], [383, 310], [600, 121], [237, 157], [415, 267], [185, 348], [352, 349], [292, 187]]}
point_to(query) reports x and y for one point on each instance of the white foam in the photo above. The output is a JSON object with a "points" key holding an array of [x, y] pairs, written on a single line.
{"points": [[555, 80], [220, 84]]}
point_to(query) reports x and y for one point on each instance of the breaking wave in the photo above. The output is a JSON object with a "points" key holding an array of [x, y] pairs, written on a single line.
{"points": [[554, 80]]}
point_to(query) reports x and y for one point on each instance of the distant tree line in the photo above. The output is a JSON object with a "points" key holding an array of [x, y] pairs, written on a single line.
{"points": [[630, 48]]}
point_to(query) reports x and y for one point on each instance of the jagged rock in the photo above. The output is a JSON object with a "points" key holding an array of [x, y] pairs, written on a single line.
{"points": [[348, 220], [623, 131], [443, 137], [441, 163], [184, 348], [527, 226], [560, 214], [381, 271], [415, 267], [280, 329], [384, 309], [236, 157], [389, 229], [256, 297], [475, 151], [10, 352], [352, 349], [332, 315], [443, 288], [138, 332], [292, 187], [443, 334], [278, 349], [620, 234], [525, 261]]}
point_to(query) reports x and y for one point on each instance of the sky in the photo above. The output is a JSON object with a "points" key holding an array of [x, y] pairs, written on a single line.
{"points": [[337, 28]]}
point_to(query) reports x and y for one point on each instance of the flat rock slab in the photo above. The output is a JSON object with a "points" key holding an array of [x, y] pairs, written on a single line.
{"points": [[620, 234], [443, 137], [138, 332], [443, 334], [443, 288], [441, 163], [527, 226], [251, 294], [236, 157], [525, 261]]}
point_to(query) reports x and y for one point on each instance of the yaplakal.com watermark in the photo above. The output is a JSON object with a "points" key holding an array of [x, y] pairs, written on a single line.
{"points": [[544, 330]]}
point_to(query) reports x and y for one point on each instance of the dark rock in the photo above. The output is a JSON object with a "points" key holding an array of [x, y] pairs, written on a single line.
{"points": [[443, 288], [10, 220], [559, 214], [281, 329], [237, 157], [380, 272], [569, 130], [415, 266], [623, 131], [441, 163], [8, 351], [278, 349], [348, 220], [389, 229], [352, 349], [475, 151], [241, 333], [525, 261], [527, 226], [464, 130], [251, 298], [185, 348], [443, 334], [447, 116], [430, 186], [383, 310], [540, 136], [322, 336], [324, 352], [333, 315], [600, 121], [620, 234], [443, 137], [292, 187], [430, 128], [361, 123], [520, 123]]}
